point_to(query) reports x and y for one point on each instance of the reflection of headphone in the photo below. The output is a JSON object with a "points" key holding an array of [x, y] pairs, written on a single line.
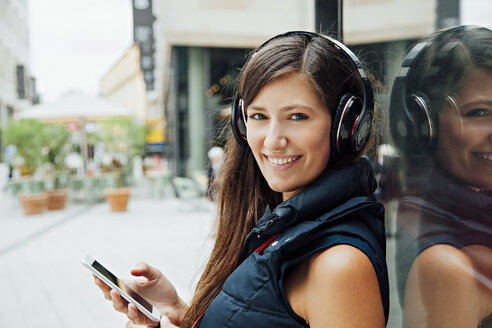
{"points": [[413, 118], [353, 116]]}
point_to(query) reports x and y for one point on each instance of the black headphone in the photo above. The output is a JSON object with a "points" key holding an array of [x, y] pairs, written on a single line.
{"points": [[413, 118], [352, 119]]}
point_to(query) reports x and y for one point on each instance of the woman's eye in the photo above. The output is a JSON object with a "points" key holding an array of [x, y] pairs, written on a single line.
{"points": [[257, 116], [298, 116], [477, 112]]}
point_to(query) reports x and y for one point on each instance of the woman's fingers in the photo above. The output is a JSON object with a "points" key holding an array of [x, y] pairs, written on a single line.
{"points": [[133, 313], [103, 287], [138, 317], [142, 269], [130, 324], [119, 303]]}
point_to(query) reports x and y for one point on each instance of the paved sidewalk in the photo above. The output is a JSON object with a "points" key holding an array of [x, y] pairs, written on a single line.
{"points": [[42, 282]]}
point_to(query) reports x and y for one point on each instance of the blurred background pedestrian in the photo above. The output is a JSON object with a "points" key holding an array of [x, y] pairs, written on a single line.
{"points": [[216, 158]]}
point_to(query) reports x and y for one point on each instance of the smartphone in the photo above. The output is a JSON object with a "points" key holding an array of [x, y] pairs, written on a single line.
{"points": [[126, 292]]}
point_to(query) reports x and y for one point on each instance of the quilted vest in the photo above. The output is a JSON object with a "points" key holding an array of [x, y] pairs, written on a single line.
{"points": [[333, 210]]}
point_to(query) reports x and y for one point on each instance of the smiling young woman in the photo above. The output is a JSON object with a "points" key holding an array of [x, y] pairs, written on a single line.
{"points": [[300, 240]]}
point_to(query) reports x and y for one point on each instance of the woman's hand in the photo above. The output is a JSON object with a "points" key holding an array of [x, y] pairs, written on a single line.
{"points": [[164, 324], [154, 287]]}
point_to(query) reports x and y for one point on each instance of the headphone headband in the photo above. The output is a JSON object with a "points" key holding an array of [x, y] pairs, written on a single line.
{"points": [[350, 136], [367, 93], [310, 35]]}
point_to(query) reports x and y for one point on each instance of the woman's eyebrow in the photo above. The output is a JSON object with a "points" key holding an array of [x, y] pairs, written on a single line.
{"points": [[294, 107], [256, 107], [283, 109], [486, 102]]}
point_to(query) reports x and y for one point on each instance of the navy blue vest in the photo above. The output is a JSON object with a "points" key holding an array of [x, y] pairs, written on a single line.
{"points": [[331, 211]]}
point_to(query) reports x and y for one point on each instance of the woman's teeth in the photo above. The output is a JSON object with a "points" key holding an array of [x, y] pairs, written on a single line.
{"points": [[484, 156], [281, 161]]}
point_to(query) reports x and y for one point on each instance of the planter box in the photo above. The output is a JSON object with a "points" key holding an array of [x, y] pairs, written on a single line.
{"points": [[34, 203], [57, 199], [117, 198]]}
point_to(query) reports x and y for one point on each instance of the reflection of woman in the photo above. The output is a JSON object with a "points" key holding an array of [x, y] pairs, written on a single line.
{"points": [[317, 258], [441, 119]]}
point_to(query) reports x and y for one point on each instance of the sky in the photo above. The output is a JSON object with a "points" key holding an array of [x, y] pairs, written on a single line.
{"points": [[75, 42]]}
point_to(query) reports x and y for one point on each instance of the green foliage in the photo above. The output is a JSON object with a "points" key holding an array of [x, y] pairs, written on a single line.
{"points": [[37, 143], [124, 135], [123, 138], [58, 139], [29, 137]]}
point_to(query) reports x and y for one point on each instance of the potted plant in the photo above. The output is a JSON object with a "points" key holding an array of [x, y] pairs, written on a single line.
{"points": [[119, 195], [56, 151], [29, 137], [57, 197], [124, 139], [34, 199], [118, 198]]}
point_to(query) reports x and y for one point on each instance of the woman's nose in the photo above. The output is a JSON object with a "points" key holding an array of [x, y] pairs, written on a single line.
{"points": [[276, 137]]}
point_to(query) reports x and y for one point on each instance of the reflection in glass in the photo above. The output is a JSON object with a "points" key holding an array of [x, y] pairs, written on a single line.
{"points": [[441, 125]]}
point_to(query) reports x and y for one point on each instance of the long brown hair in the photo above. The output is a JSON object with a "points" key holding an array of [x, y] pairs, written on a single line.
{"points": [[243, 191]]}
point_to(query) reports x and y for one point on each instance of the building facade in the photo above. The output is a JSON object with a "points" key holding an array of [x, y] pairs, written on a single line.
{"points": [[124, 83], [201, 44], [17, 88]]}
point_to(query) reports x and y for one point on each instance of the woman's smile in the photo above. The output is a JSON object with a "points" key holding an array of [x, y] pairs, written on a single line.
{"points": [[281, 162], [485, 156]]}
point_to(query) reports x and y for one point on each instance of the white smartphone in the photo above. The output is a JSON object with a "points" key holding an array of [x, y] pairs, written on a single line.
{"points": [[126, 292]]}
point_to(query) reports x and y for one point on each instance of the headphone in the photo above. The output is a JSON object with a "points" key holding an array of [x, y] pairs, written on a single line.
{"points": [[413, 118], [352, 119]]}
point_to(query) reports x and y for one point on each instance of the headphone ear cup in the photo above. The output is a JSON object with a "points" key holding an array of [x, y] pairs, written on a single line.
{"points": [[344, 123], [361, 130], [419, 123], [238, 124]]}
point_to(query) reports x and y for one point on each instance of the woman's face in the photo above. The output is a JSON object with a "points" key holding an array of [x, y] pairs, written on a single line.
{"points": [[465, 132], [288, 130]]}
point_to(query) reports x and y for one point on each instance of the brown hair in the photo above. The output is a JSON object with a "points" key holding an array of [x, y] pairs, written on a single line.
{"points": [[243, 191]]}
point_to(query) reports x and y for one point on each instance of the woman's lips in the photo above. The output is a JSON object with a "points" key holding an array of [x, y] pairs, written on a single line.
{"points": [[485, 156], [281, 162]]}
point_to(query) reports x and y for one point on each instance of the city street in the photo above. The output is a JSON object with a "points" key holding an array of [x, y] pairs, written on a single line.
{"points": [[43, 283]]}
